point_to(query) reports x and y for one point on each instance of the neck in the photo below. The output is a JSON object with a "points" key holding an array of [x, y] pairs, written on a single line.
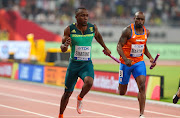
{"points": [[81, 27], [138, 28]]}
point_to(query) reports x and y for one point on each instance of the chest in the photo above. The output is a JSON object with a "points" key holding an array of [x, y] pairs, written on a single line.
{"points": [[82, 37], [138, 39], [79, 39]]}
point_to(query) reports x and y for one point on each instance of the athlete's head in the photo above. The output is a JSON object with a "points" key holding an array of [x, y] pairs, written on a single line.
{"points": [[139, 19], [82, 16]]}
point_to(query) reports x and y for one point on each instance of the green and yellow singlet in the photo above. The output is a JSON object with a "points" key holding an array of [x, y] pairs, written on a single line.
{"points": [[81, 43]]}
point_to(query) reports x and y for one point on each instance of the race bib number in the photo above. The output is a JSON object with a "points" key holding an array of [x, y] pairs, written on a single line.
{"points": [[120, 73], [82, 53], [136, 50]]}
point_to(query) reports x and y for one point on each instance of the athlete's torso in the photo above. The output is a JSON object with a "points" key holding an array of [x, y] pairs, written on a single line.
{"points": [[135, 46], [81, 43]]}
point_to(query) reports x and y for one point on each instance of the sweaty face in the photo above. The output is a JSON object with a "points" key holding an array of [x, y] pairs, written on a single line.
{"points": [[139, 20], [82, 17]]}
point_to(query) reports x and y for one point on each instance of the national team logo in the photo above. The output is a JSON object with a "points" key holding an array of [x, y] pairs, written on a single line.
{"points": [[91, 29]]}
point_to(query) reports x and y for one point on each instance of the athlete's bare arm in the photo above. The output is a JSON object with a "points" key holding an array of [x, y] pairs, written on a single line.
{"points": [[66, 41], [126, 34], [99, 39], [147, 53]]}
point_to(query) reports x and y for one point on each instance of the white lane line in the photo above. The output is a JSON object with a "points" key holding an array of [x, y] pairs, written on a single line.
{"points": [[86, 117], [14, 108], [91, 101], [49, 103], [93, 92], [124, 107], [13, 116]]}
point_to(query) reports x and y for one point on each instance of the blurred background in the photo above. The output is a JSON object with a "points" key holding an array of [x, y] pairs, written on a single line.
{"points": [[102, 12], [55, 15], [31, 32]]}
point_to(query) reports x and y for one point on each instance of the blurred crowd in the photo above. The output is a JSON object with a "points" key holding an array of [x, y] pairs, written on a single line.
{"points": [[101, 12]]}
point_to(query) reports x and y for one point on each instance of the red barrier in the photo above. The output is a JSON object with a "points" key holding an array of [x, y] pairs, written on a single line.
{"points": [[109, 82], [6, 69]]}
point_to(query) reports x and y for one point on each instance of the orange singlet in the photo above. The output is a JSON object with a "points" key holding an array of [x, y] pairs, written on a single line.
{"points": [[135, 46]]}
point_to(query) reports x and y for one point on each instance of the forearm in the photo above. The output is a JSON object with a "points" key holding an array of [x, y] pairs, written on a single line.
{"points": [[100, 41], [120, 52], [146, 52]]}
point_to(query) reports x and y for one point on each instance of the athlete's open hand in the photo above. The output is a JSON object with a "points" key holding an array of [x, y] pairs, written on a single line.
{"points": [[128, 62], [68, 42]]}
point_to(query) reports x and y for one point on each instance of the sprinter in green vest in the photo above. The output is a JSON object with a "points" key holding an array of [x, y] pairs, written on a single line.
{"points": [[79, 36]]}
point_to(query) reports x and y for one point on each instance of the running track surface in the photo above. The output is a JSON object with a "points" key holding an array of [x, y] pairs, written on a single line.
{"points": [[20, 99]]}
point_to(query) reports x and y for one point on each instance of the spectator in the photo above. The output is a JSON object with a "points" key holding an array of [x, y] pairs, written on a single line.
{"points": [[104, 12]]}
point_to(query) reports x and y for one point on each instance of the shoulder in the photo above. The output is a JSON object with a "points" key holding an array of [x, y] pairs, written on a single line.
{"points": [[73, 24], [127, 31], [72, 28], [67, 30], [90, 24], [148, 32], [94, 27]]}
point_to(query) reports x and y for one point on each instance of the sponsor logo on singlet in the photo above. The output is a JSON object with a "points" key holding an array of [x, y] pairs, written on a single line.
{"points": [[82, 52]]}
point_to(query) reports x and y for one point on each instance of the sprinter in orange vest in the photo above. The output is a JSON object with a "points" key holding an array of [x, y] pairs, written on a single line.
{"points": [[131, 48]]}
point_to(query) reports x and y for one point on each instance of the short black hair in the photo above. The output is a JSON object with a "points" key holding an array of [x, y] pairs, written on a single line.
{"points": [[79, 9]]}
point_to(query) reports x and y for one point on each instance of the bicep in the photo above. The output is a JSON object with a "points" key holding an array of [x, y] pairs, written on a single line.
{"points": [[97, 34], [148, 33], [66, 35], [146, 49], [124, 37], [123, 40]]}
